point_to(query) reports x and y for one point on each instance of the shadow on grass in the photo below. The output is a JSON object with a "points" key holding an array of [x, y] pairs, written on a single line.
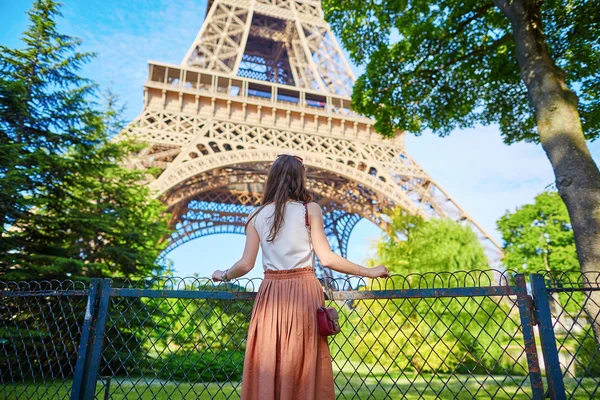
{"points": [[353, 386]]}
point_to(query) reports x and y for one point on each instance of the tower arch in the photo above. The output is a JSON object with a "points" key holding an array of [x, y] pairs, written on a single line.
{"points": [[218, 201]]}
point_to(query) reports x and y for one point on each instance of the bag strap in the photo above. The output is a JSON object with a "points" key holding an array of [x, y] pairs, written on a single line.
{"points": [[306, 221], [328, 290], [307, 224], [327, 286]]}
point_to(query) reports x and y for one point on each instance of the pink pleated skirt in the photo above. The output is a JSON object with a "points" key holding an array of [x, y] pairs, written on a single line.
{"points": [[286, 358]]}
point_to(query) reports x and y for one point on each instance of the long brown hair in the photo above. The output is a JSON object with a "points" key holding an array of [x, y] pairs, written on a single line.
{"points": [[286, 181]]}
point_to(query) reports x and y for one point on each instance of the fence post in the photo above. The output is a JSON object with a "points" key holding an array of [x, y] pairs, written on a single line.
{"points": [[91, 310], [92, 335], [524, 304], [556, 386]]}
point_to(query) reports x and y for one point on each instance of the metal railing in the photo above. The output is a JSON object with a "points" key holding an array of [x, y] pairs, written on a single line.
{"points": [[568, 306], [478, 334]]}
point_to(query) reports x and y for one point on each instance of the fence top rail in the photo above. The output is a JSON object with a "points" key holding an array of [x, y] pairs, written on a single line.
{"points": [[430, 280], [572, 281], [490, 291], [44, 286]]}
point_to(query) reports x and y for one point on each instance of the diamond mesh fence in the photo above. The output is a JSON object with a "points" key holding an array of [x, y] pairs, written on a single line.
{"points": [[460, 335], [40, 330], [185, 338], [574, 300], [420, 342], [182, 338]]}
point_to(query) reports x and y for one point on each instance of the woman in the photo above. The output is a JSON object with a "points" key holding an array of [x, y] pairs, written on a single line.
{"points": [[285, 356]]}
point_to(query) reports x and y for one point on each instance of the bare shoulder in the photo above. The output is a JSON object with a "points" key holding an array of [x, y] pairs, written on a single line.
{"points": [[314, 208], [252, 215]]}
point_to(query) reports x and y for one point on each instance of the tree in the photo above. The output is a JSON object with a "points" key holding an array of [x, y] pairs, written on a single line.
{"points": [[442, 65], [210, 333], [450, 335], [414, 245], [42, 114], [68, 206], [539, 237]]}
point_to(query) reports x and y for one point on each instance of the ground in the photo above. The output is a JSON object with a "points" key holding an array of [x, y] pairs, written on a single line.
{"points": [[423, 387]]}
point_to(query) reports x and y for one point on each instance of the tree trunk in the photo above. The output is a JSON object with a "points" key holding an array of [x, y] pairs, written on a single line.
{"points": [[561, 135]]}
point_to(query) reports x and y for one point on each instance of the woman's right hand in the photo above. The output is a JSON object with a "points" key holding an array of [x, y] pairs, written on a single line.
{"points": [[378, 272], [217, 276]]}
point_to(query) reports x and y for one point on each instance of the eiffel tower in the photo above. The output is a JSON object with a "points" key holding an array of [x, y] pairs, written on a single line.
{"points": [[261, 78]]}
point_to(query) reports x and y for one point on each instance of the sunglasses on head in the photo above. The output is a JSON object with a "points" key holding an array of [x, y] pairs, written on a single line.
{"points": [[291, 155]]}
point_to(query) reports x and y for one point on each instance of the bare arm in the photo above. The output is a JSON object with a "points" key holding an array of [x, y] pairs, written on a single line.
{"points": [[328, 258], [246, 263]]}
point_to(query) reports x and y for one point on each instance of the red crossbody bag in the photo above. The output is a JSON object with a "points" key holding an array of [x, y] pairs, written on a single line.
{"points": [[327, 317]]}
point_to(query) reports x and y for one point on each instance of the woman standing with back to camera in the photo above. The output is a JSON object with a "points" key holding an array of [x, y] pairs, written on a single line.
{"points": [[286, 358]]}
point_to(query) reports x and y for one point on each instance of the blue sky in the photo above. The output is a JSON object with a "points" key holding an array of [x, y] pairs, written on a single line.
{"points": [[482, 174]]}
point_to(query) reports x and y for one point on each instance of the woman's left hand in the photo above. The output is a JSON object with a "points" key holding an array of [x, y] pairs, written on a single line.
{"points": [[378, 272], [217, 276]]}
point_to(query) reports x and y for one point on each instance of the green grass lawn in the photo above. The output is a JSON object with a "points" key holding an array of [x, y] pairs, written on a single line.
{"points": [[355, 386]]}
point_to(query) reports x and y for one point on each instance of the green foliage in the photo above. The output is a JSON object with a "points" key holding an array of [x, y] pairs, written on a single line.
{"points": [[68, 206], [196, 339], [201, 324], [201, 366], [442, 64], [176, 337], [129, 324], [413, 245], [539, 237], [443, 335], [39, 334], [460, 335], [587, 354]]}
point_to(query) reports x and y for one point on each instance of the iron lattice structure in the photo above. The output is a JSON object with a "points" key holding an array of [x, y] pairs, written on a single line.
{"points": [[264, 77]]}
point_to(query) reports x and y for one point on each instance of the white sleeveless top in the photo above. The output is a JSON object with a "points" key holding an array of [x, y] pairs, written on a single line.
{"points": [[292, 247]]}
